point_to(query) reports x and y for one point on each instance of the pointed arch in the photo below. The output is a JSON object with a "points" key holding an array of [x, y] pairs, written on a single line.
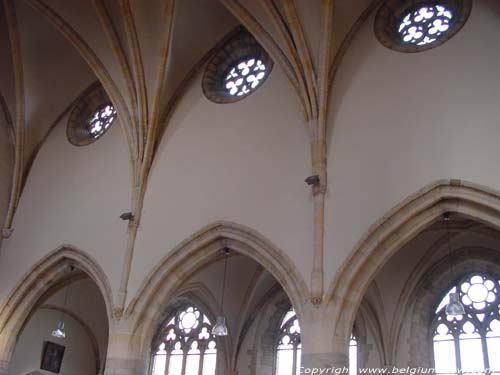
{"points": [[435, 284], [203, 247], [51, 270], [389, 234]]}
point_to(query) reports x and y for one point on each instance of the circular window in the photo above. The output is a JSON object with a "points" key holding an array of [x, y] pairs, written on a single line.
{"points": [[414, 26], [101, 120], [91, 117], [237, 69], [245, 76]]}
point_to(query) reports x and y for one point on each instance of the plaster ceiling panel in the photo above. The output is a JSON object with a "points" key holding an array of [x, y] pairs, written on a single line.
{"points": [[345, 15], [7, 81], [199, 25], [151, 22], [83, 18], [54, 74], [263, 285]]}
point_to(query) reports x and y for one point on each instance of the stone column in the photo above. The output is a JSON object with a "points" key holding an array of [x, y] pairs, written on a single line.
{"points": [[124, 366], [314, 363], [4, 366], [321, 349], [121, 358]]}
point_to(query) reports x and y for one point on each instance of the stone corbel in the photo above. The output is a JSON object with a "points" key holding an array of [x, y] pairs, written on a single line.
{"points": [[7, 232]]}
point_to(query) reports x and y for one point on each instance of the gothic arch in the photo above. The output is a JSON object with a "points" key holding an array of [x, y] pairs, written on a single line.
{"points": [[386, 236], [51, 270], [434, 285], [197, 251], [199, 295]]}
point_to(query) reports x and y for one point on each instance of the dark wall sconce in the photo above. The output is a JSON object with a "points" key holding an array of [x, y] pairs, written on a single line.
{"points": [[312, 180]]}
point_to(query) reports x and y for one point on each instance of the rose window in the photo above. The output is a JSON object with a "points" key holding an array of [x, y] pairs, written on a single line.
{"points": [[101, 120], [245, 77], [419, 25], [425, 25], [237, 69]]}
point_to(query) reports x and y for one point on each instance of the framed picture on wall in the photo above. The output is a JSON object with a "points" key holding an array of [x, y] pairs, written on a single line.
{"points": [[52, 357]]}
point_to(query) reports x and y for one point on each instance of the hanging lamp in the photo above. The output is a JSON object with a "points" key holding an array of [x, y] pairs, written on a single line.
{"points": [[220, 327], [454, 306], [60, 331]]}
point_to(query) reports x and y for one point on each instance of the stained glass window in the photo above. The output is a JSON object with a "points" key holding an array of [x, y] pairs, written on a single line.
{"points": [[353, 355], [289, 347], [469, 343], [245, 76], [425, 24], [185, 345], [101, 120]]}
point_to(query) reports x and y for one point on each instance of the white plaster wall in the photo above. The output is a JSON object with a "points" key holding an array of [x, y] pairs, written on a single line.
{"points": [[79, 358], [402, 121], [244, 162], [73, 195]]}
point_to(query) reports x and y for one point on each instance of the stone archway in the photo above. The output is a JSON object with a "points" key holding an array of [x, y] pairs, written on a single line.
{"points": [[53, 269], [147, 308], [394, 230]]}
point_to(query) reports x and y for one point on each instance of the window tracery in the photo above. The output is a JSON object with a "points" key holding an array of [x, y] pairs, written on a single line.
{"points": [[92, 115], [101, 120], [471, 342], [415, 26], [425, 24], [289, 346], [185, 345], [245, 76], [353, 355], [237, 69]]}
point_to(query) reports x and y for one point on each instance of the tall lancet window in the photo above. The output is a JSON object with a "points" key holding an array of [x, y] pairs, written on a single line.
{"points": [[289, 347], [185, 345], [469, 343], [353, 355]]}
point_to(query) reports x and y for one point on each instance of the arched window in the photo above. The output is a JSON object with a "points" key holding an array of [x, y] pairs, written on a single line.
{"points": [[470, 342], [92, 115], [353, 355], [289, 347], [185, 345], [237, 69]]}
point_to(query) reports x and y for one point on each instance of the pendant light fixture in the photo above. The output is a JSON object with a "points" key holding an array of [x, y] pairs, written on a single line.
{"points": [[220, 327], [454, 306], [60, 332]]}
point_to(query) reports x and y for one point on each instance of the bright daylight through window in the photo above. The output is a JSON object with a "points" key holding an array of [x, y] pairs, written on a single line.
{"points": [[245, 76], [289, 348], [185, 345], [425, 24], [471, 342], [101, 120]]}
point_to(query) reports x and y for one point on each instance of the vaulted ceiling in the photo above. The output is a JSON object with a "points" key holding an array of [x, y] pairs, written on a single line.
{"points": [[144, 54]]}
